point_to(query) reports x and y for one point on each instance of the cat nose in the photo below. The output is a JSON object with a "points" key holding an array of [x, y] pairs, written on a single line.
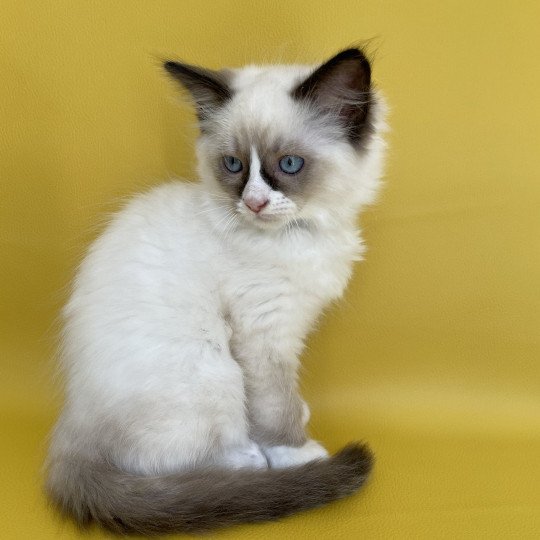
{"points": [[255, 204]]}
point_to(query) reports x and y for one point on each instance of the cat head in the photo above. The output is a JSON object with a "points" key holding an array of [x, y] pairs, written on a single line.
{"points": [[288, 143]]}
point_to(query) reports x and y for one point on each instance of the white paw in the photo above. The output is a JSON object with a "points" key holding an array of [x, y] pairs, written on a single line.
{"points": [[288, 456], [249, 457]]}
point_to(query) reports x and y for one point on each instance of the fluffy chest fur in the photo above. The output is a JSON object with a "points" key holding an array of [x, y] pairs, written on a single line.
{"points": [[284, 281]]}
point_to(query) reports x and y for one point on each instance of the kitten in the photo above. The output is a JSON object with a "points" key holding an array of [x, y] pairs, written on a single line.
{"points": [[188, 315]]}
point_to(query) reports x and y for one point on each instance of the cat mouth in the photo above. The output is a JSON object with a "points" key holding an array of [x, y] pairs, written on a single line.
{"points": [[267, 217], [266, 221]]}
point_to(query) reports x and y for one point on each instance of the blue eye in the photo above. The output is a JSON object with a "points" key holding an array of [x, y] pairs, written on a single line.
{"points": [[291, 164], [232, 164]]}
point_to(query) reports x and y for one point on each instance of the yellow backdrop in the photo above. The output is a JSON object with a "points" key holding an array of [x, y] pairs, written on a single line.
{"points": [[434, 355]]}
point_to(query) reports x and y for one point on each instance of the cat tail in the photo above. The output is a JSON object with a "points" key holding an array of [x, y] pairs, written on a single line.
{"points": [[201, 500]]}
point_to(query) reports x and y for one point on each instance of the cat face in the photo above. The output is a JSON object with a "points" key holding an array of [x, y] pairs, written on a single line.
{"points": [[279, 141]]}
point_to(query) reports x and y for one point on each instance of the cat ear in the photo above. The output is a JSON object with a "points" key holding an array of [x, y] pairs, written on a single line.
{"points": [[208, 88], [341, 86]]}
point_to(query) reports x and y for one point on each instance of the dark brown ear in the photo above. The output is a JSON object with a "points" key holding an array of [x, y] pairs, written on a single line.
{"points": [[342, 85], [208, 88]]}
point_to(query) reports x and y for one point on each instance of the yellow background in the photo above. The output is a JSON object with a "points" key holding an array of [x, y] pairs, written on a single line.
{"points": [[433, 357]]}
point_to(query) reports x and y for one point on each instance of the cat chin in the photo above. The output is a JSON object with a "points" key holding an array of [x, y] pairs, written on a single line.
{"points": [[269, 222]]}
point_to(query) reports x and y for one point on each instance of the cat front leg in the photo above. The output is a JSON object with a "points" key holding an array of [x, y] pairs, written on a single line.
{"points": [[276, 412], [280, 456]]}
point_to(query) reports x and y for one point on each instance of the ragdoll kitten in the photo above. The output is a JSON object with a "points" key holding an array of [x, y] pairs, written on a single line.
{"points": [[189, 313]]}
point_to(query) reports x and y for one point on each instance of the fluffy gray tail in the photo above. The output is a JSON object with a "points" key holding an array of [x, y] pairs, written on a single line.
{"points": [[203, 499]]}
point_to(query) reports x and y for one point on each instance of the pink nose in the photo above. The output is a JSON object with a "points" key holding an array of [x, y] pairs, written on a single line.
{"points": [[256, 205]]}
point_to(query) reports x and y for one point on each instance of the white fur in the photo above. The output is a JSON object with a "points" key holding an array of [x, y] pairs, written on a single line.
{"points": [[184, 292], [287, 456], [257, 191]]}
